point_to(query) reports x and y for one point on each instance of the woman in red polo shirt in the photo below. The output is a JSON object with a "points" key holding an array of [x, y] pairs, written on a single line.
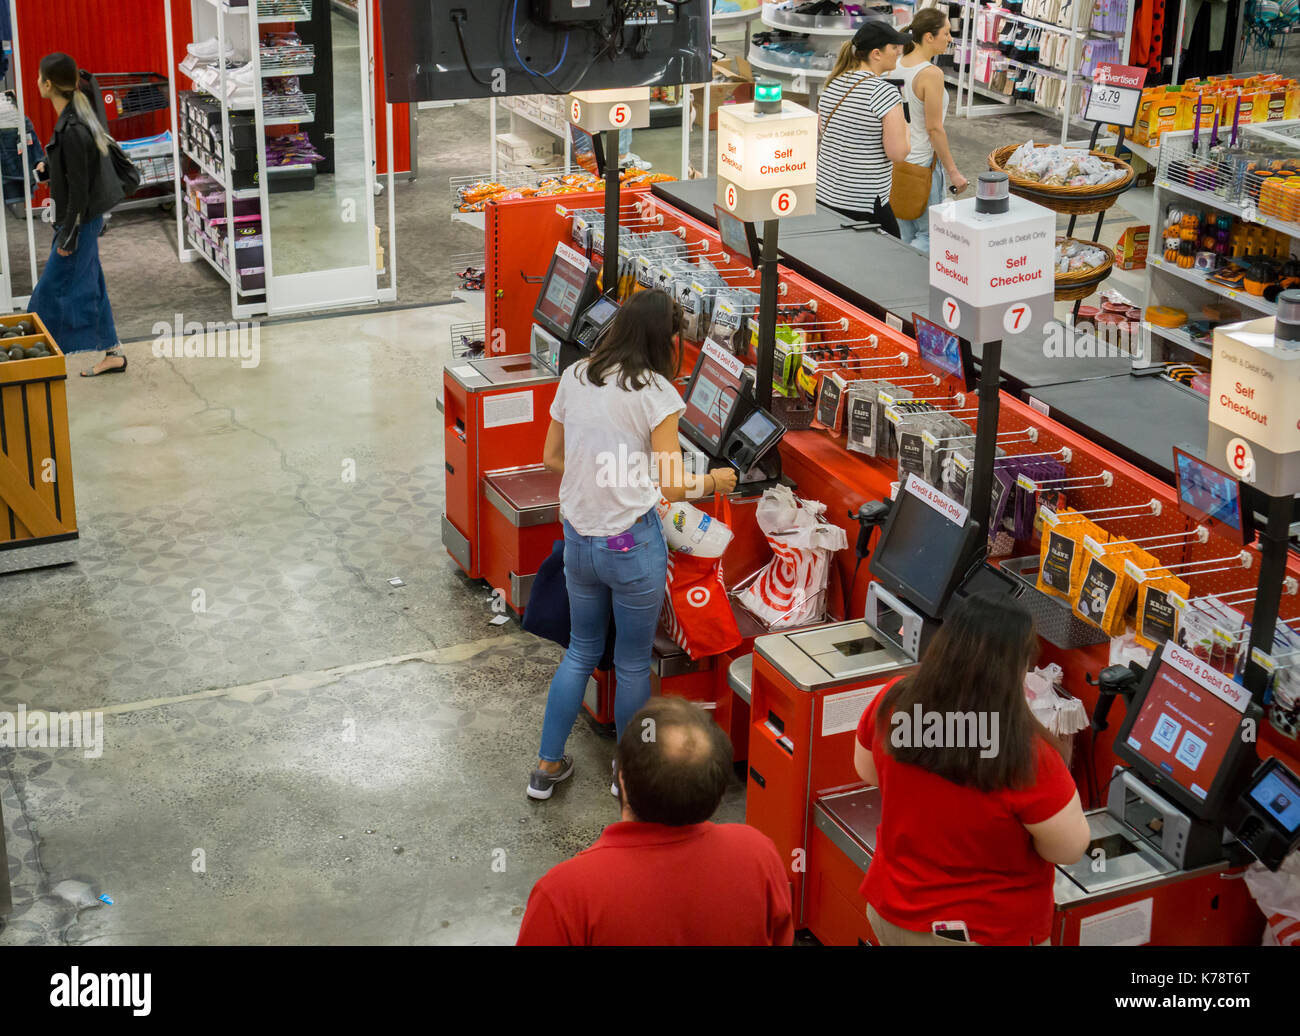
{"points": [[976, 802]]}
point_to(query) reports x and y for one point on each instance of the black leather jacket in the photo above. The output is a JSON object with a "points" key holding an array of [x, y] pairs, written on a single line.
{"points": [[72, 166]]}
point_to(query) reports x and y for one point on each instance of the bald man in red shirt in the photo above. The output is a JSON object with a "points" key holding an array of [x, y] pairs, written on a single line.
{"points": [[664, 875]]}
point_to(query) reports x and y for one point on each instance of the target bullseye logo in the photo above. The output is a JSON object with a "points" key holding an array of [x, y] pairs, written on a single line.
{"points": [[698, 596]]}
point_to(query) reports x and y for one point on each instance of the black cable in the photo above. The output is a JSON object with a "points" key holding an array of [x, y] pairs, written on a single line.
{"points": [[464, 53]]}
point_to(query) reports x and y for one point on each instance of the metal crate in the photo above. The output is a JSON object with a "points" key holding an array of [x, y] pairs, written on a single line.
{"points": [[1054, 620]]}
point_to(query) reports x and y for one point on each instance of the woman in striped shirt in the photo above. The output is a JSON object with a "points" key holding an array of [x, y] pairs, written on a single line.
{"points": [[863, 131]]}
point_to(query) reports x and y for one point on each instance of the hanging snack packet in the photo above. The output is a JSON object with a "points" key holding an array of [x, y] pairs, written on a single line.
{"points": [[911, 430], [1103, 599], [1061, 555], [860, 416], [831, 400], [889, 397], [1159, 596]]}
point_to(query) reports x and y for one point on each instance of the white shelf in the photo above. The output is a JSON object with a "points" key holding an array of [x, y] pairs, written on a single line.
{"points": [[1253, 301], [247, 192], [736, 16], [536, 120], [1141, 202], [1149, 155], [1249, 214], [1182, 339], [1042, 69], [194, 246], [772, 15], [477, 220], [980, 88], [786, 70]]}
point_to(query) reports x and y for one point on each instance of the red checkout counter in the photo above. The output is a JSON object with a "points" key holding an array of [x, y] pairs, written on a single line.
{"points": [[790, 700]]}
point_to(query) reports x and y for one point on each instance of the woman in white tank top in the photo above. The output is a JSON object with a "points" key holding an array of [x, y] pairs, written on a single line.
{"points": [[927, 105]]}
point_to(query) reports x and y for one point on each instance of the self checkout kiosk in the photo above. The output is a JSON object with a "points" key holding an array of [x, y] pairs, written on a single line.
{"points": [[1164, 863], [503, 506], [723, 424], [810, 687]]}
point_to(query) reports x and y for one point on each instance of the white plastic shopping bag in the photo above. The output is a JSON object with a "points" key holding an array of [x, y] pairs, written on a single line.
{"points": [[1278, 896], [791, 589]]}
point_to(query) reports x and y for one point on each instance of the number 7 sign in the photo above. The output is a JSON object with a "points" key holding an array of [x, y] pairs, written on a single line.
{"points": [[1016, 319]]}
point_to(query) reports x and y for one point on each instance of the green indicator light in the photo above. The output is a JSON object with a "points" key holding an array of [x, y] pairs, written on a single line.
{"points": [[767, 92]]}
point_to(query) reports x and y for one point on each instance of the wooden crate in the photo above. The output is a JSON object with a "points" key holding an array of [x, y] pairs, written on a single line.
{"points": [[36, 499]]}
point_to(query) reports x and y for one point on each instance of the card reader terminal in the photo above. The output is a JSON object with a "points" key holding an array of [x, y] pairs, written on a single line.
{"points": [[593, 322], [751, 438], [1266, 816]]}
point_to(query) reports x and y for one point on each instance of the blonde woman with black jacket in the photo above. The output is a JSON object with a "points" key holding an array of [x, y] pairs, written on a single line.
{"points": [[71, 297]]}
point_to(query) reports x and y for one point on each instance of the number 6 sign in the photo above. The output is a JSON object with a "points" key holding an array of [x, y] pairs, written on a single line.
{"points": [[729, 198], [783, 202]]}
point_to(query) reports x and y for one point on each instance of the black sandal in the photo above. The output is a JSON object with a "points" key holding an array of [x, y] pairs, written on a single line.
{"points": [[92, 373]]}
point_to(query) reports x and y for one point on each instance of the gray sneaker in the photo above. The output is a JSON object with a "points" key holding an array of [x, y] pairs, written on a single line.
{"points": [[541, 783]]}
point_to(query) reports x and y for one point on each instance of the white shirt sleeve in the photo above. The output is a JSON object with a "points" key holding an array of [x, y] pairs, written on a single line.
{"points": [[661, 400], [557, 404]]}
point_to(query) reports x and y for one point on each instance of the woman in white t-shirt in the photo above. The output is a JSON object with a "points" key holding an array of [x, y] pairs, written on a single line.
{"points": [[926, 101], [613, 428]]}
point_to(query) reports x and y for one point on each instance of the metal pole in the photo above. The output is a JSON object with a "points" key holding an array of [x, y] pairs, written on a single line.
{"points": [[610, 273], [1268, 597], [767, 316], [986, 439]]}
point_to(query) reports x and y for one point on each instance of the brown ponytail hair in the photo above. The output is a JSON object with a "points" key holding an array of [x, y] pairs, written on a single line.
{"points": [[846, 60], [927, 22], [61, 72]]}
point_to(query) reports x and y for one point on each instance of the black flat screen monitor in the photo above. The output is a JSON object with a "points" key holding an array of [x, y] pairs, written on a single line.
{"points": [[943, 352], [923, 554], [739, 238], [710, 400], [567, 289], [1183, 733], [444, 50], [1210, 496]]}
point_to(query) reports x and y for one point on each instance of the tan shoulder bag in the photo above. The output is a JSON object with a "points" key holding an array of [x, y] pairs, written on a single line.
{"points": [[909, 193]]}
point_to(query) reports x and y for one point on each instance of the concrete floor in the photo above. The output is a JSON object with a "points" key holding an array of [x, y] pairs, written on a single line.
{"points": [[349, 758]]}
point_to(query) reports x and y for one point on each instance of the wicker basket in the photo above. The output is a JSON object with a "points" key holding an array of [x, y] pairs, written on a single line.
{"points": [[1079, 284], [1073, 201]]}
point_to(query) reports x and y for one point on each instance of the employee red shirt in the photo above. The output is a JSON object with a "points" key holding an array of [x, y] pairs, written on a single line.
{"points": [[653, 885], [950, 853]]}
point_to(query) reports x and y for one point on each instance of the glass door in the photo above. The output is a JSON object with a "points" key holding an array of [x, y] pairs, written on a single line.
{"points": [[317, 171]]}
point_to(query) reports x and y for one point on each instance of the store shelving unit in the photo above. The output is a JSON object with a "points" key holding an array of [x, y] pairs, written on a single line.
{"points": [[825, 35], [969, 87], [1178, 181], [275, 109]]}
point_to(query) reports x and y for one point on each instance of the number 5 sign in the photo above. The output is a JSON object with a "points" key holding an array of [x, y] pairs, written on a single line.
{"points": [[620, 115]]}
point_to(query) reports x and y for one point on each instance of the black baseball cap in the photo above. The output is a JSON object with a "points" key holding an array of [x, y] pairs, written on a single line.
{"points": [[876, 33]]}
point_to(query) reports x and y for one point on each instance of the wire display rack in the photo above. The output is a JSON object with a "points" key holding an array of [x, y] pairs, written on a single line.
{"points": [[469, 270], [293, 106], [468, 340], [463, 188], [284, 10], [288, 60]]}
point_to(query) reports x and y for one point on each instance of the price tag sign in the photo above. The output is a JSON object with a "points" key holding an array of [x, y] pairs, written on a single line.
{"points": [[1116, 93]]}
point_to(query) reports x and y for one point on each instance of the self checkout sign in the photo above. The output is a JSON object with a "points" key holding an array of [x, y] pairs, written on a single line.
{"points": [[1116, 93]]}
